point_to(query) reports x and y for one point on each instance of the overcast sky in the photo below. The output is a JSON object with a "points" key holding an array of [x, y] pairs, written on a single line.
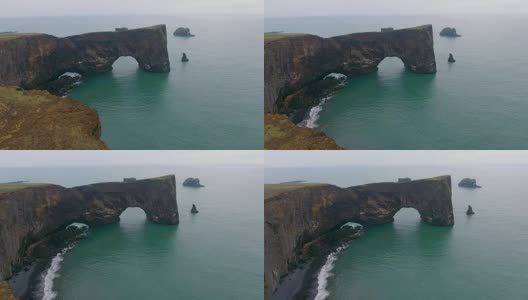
{"points": [[381, 7], [127, 7], [385, 158], [115, 157]]}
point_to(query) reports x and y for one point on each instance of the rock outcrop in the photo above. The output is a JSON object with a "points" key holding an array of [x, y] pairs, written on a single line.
{"points": [[194, 210], [183, 32], [30, 215], [184, 57], [470, 211], [192, 182], [36, 120], [293, 63], [281, 134], [30, 61], [119, 29], [405, 179], [387, 29], [294, 218], [449, 32], [451, 59], [469, 183]]}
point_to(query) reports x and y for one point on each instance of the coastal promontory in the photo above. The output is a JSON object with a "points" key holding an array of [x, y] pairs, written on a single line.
{"points": [[296, 215]]}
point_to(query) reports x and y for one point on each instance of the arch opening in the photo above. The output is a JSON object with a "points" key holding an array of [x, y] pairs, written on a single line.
{"points": [[125, 65]]}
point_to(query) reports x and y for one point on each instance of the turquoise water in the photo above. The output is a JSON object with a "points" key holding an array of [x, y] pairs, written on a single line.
{"points": [[212, 102], [215, 254], [477, 103], [481, 257]]}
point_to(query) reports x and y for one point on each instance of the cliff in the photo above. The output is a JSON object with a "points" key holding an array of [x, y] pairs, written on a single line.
{"points": [[300, 214], [36, 120], [292, 63], [31, 60], [28, 216]]}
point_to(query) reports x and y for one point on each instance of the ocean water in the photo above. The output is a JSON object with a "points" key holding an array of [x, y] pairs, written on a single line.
{"points": [[215, 254], [479, 102], [212, 102], [481, 257]]}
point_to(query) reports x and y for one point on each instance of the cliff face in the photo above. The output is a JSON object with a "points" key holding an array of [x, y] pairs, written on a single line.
{"points": [[36, 120], [296, 217], [293, 63], [32, 60], [29, 215]]}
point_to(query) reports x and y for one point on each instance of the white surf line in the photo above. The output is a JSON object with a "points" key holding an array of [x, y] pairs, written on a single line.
{"points": [[325, 273]]}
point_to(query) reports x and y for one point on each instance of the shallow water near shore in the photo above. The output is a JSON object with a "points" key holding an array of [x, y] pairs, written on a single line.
{"points": [[214, 101], [481, 257], [479, 102], [215, 254]]}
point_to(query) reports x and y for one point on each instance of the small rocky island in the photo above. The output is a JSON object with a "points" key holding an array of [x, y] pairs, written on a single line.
{"points": [[451, 59], [184, 57], [449, 32], [469, 183], [192, 182], [183, 32], [470, 211], [194, 210]]}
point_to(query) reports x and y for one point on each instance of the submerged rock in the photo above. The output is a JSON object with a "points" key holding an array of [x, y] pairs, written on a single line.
{"points": [[469, 183], [387, 29], [184, 57], [470, 211], [451, 59], [183, 31], [406, 179], [194, 210], [449, 32], [192, 182]]}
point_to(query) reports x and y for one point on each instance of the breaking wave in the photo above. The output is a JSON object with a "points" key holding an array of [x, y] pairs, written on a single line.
{"points": [[325, 273]]}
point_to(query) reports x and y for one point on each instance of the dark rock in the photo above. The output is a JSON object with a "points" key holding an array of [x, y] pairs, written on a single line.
{"points": [[297, 222], [194, 210], [62, 85], [129, 179], [37, 215], [294, 63], [192, 182], [468, 183], [183, 31], [118, 29], [470, 211], [184, 58], [33, 60], [451, 59], [449, 32], [387, 29], [406, 179]]}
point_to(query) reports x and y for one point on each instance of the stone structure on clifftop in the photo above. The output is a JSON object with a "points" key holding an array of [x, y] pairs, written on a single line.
{"points": [[32, 60], [30, 215], [294, 63], [295, 218]]}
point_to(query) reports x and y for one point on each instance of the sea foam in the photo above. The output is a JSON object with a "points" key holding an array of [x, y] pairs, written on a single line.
{"points": [[325, 273]]}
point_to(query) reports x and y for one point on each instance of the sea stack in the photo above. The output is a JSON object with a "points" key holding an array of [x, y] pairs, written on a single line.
{"points": [[449, 32], [470, 211], [183, 31], [192, 182], [184, 57], [194, 210], [451, 59], [469, 183]]}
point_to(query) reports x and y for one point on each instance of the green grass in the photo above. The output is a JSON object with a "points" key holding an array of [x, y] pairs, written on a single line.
{"points": [[10, 187], [271, 190], [270, 36], [13, 35]]}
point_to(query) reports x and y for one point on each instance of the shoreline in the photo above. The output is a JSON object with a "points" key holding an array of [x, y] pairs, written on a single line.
{"points": [[26, 282], [301, 283]]}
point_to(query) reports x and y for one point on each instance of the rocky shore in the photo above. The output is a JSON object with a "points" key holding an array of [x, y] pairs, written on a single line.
{"points": [[304, 221]]}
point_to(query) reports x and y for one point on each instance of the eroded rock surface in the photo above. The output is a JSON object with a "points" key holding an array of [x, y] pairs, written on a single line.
{"points": [[469, 183], [30, 61], [36, 120], [295, 62], [30, 215], [449, 32], [293, 218], [183, 31], [192, 182]]}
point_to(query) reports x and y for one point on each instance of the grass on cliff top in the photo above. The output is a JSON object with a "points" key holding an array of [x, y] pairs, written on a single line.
{"points": [[4, 36], [271, 190], [6, 293], [10, 187], [270, 36]]}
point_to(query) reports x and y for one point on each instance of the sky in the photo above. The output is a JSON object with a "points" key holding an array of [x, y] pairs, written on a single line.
{"points": [[127, 7], [392, 7], [123, 158], [274, 159]]}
